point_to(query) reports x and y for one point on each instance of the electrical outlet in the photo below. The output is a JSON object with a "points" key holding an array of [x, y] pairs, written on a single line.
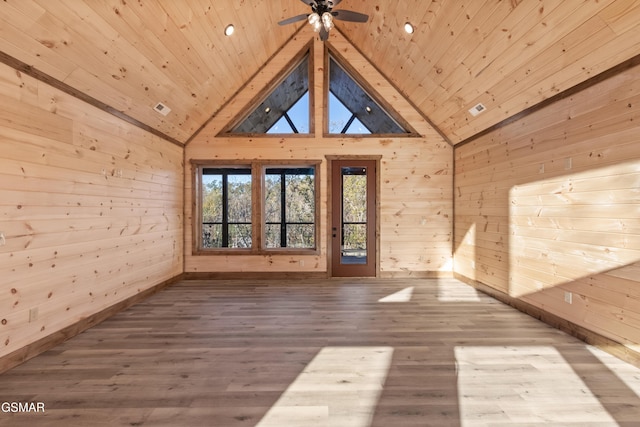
{"points": [[301, 263], [3, 241], [568, 297], [33, 314], [541, 168]]}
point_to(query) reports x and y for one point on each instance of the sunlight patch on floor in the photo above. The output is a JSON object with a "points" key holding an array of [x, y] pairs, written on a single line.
{"points": [[532, 384], [403, 295], [454, 291], [339, 387]]}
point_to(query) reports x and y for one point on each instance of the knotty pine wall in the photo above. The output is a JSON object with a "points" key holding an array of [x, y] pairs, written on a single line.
{"points": [[415, 177], [91, 210], [548, 207]]}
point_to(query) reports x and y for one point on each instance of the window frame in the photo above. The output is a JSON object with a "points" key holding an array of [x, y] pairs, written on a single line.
{"points": [[283, 220], [258, 220], [225, 222], [345, 65]]}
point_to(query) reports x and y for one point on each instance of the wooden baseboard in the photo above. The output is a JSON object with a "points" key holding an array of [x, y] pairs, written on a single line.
{"points": [[300, 275], [415, 274], [255, 275], [31, 350], [588, 336]]}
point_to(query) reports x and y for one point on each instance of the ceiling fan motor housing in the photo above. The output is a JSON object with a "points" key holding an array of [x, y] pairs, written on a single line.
{"points": [[321, 7]]}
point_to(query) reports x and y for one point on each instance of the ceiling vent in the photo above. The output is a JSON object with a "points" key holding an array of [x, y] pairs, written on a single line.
{"points": [[477, 109], [162, 109]]}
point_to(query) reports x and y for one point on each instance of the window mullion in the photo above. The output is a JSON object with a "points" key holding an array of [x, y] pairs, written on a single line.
{"points": [[257, 211], [346, 127], [225, 211], [283, 210], [288, 119]]}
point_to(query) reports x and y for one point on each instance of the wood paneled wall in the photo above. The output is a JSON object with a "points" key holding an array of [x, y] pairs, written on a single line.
{"points": [[415, 177], [91, 210], [547, 209]]}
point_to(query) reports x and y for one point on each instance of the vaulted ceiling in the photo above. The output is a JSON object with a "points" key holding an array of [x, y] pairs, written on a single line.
{"points": [[508, 55]]}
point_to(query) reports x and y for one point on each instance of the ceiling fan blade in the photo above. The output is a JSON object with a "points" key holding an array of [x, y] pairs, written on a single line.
{"points": [[293, 19], [348, 15], [334, 3]]}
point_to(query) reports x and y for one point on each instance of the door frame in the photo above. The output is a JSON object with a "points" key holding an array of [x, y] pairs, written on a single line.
{"points": [[330, 195]]}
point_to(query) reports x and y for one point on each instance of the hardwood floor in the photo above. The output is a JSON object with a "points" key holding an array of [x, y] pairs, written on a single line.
{"points": [[342, 353]]}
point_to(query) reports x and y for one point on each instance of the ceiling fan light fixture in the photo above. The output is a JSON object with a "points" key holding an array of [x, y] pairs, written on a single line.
{"points": [[315, 21], [322, 16], [327, 21], [229, 29], [409, 28]]}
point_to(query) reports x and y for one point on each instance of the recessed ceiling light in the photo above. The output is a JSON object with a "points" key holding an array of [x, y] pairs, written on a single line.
{"points": [[368, 109], [229, 29], [409, 28], [266, 110]]}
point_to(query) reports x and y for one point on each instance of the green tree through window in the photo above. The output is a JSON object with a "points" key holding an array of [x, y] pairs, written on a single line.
{"points": [[226, 208], [289, 205], [231, 197], [354, 209]]}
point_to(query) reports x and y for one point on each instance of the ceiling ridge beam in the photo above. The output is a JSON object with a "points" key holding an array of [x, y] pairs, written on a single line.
{"points": [[43, 77]]}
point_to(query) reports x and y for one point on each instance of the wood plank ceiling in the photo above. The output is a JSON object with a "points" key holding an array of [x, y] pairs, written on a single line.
{"points": [[508, 55]]}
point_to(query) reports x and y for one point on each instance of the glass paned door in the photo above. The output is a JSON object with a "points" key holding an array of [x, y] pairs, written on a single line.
{"points": [[353, 218]]}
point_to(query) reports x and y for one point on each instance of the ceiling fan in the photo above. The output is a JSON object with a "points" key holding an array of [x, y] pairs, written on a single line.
{"points": [[322, 16]]}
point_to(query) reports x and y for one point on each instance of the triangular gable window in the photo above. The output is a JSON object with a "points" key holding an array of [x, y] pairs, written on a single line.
{"points": [[353, 111], [285, 110]]}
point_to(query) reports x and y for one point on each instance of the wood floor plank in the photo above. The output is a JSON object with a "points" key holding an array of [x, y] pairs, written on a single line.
{"points": [[346, 353]]}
